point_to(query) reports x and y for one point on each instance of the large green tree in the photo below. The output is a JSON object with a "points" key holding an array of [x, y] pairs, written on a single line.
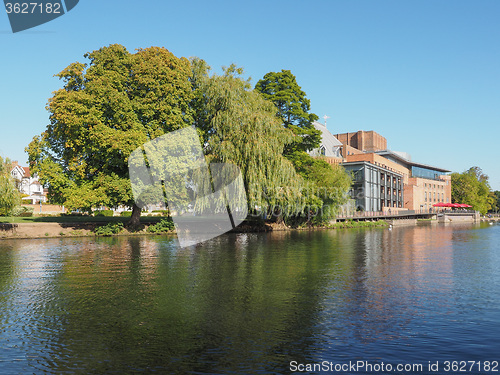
{"points": [[107, 108], [293, 109], [9, 195], [472, 187], [326, 185], [239, 126], [496, 205]]}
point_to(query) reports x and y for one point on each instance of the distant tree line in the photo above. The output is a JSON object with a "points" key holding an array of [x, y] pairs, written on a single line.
{"points": [[472, 187]]}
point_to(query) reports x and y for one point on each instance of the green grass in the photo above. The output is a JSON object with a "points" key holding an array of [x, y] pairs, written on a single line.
{"points": [[359, 224], [73, 219]]}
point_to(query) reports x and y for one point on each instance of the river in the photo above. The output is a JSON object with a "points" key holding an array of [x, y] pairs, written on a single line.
{"points": [[259, 303]]}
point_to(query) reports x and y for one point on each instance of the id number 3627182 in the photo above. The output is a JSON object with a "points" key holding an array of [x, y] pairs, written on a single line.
{"points": [[34, 7]]}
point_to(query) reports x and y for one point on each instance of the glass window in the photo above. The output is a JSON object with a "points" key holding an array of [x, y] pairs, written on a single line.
{"points": [[425, 173]]}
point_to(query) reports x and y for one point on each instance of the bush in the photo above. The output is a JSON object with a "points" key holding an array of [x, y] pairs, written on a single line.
{"points": [[109, 229], [106, 213], [22, 211], [74, 213], [164, 225], [162, 212], [126, 213]]}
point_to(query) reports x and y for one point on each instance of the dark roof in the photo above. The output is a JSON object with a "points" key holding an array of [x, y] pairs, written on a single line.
{"points": [[365, 162]]}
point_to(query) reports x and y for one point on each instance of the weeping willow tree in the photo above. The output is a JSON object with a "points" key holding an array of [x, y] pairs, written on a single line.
{"points": [[239, 126]]}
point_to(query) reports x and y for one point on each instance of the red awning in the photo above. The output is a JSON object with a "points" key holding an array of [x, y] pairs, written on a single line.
{"points": [[452, 205], [441, 204]]}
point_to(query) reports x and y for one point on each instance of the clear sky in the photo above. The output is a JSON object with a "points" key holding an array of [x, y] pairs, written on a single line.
{"points": [[424, 74]]}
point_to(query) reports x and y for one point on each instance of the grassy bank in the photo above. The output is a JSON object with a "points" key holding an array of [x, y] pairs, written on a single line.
{"points": [[359, 224], [74, 219]]}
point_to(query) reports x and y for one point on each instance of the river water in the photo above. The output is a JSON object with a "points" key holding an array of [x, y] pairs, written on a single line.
{"points": [[263, 303]]}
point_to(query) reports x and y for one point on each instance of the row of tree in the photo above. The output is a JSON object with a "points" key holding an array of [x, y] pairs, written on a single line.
{"points": [[118, 101]]}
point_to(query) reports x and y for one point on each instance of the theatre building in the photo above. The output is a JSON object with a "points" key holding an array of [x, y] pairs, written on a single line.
{"points": [[374, 186], [385, 180], [426, 186]]}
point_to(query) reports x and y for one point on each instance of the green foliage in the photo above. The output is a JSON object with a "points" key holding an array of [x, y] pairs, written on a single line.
{"points": [[293, 108], [106, 109], [326, 186], [22, 211], [126, 213], [109, 229], [239, 126], [164, 225], [163, 212], [472, 187], [9, 195], [106, 213], [359, 224], [496, 201]]}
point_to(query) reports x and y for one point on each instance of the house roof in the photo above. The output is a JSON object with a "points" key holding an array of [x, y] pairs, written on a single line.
{"points": [[327, 139]]}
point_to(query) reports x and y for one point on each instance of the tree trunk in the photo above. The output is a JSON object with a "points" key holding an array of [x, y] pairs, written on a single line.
{"points": [[136, 216]]}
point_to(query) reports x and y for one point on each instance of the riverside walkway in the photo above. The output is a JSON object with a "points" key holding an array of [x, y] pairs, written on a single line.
{"points": [[442, 216]]}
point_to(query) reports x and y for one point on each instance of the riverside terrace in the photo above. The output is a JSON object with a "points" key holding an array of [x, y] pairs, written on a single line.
{"points": [[410, 216]]}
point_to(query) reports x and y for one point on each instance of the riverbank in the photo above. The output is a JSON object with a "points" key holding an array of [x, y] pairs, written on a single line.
{"points": [[51, 227], [69, 226]]}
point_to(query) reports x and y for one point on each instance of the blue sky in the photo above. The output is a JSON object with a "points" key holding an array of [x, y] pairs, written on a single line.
{"points": [[424, 74]]}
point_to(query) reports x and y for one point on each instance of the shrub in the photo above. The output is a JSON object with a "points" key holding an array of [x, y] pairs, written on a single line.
{"points": [[162, 212], [73, 214], [22, 211], [164, 225], [126, 213], [109, 229], [106, 213]]}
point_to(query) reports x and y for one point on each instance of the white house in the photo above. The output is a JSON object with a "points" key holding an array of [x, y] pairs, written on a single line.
{"points": [[28, 184]]}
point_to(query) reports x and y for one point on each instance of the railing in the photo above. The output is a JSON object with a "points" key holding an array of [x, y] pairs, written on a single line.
{"points": [[402, 213]]}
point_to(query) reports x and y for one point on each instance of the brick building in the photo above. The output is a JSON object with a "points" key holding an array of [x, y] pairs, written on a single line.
{"points": [[362, 141], [385, 179], [426, 184]]}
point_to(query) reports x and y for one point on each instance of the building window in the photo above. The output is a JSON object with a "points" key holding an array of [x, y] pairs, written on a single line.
{"points": [[426, 196]]}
